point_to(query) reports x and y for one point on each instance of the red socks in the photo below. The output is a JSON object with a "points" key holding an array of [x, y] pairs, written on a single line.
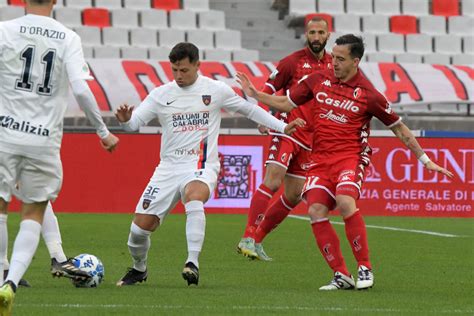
{"points": [[328, 244], [277, 212], [357, 236], [258, 206]]}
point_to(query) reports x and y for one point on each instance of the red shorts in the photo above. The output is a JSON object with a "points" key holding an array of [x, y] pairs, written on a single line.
{"points": [[289, 155], [338, 176]]}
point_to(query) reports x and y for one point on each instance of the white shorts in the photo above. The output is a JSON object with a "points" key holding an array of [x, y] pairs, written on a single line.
{"points": [[30, 179], [166, 188]]}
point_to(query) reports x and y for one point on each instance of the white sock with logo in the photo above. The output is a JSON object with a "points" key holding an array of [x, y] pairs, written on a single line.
{"points": [[52, 235], [138, 246], [3, 245], [195, 229]]}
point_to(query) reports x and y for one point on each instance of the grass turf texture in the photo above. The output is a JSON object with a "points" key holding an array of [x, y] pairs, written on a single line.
{"points": [[414, 273]]}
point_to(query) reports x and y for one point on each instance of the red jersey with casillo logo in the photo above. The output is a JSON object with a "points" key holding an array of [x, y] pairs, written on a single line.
{"points": [[342, 113], [290, 70]]}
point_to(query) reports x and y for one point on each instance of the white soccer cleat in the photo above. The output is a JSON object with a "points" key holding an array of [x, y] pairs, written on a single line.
{"points": [[262, 255], [246, 247], [340, 282], [365, 278]]}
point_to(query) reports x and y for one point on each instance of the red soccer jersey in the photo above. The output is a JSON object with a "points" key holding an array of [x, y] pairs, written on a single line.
{"points": [[290, 70], [342, 112]]}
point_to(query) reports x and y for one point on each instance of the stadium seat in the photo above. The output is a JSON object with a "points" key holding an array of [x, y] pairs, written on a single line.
{"points": [[362, 7], [3, 3], [463, 59], [170, 37], [419, 43], [409, 58], [11, 12], [467, 7], [460, 25], [154, 19], [445, 7], [166, 4], [143, 37], [90, 36], [196, 5], [159, 53], [433, 25], [211, 20], [108, 4], [301, 7], [387, 7], [134, 53], [348, 23], [380, 57], [332, 39], [88, 52], [113, 36], [245, 55], [331, 6], [327, 17], [447, 44], [70, 17], [416, 7], [436, 58], [182, 20], [18, 3], [403, 24], [201, 38], [375, 24], [370, 41], [106, 52], [391, 43], [468, 45], [78, 3], [228, 39], [98, 17], [125, 18], [137, 4], [217, 55]]}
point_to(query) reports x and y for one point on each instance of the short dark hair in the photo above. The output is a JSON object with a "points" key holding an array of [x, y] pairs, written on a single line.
{"points": [[40, 2], [356, 44], [182, 51]]}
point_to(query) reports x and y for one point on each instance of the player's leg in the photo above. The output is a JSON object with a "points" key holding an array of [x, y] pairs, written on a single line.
{"points": [[4, 264]]}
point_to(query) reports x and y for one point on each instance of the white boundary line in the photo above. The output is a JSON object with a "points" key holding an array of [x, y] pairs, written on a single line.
{"points": [[245, 307], [424, 232]]}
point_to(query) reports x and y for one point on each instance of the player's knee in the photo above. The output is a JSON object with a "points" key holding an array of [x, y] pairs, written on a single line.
{"points": [[146, 222], [317, 211], [293, 197]]}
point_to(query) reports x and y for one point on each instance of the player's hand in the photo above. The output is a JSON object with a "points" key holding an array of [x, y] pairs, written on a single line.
{"points": [[263, 129], [293, 125], [110, 142], [124, 113], [247, 86], [434, 167]]}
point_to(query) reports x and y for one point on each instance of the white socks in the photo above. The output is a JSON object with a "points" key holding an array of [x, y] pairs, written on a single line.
{"points": [[52, 235], [138, 246], [24, 248], [195, 229], [3, 245]]}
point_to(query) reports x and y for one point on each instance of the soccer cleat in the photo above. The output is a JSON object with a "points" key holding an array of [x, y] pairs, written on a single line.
{"points": [[246, 247], [191, 273], [22, 282], [7, 294], [132, 276], [261, 253], [365, 278], [340, 282], [67, 269]]}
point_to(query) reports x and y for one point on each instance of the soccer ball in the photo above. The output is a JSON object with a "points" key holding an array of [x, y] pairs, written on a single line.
{"points": [[93, 266]]}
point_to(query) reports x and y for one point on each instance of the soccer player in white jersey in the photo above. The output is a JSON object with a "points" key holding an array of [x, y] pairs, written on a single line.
{"points": [[189, 111], [39, 59]]}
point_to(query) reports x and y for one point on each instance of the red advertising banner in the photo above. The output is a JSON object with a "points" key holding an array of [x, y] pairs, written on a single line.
{"points": [[396, 183]]}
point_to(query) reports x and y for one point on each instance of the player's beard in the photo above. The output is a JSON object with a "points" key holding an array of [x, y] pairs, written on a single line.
{"points": [[315, 46]]}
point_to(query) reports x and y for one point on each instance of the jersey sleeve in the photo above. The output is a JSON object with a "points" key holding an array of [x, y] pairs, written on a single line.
{"points": [[76, 65], [302, 92], [279, 78], [231, 101], [381, 109]]}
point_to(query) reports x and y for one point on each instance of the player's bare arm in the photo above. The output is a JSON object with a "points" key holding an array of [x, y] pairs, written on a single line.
{"points": [[291, 127], [407, 138], [124, 113], [280, 103]]}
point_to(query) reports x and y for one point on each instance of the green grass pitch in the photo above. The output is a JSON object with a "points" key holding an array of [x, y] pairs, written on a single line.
{"points": [[415, 274]]}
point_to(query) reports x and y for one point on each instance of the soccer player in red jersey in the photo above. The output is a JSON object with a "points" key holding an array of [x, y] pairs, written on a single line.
{"points": [[288, 155], [345, 102]]}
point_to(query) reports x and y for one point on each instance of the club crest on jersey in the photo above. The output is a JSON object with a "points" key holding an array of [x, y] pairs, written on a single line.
{"points": [[357, 93], [146, 203], [206, 99]]}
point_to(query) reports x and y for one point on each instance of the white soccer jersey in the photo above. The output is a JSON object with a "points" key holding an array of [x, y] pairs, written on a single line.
{"points": [[190, 118], [39, 57]]}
